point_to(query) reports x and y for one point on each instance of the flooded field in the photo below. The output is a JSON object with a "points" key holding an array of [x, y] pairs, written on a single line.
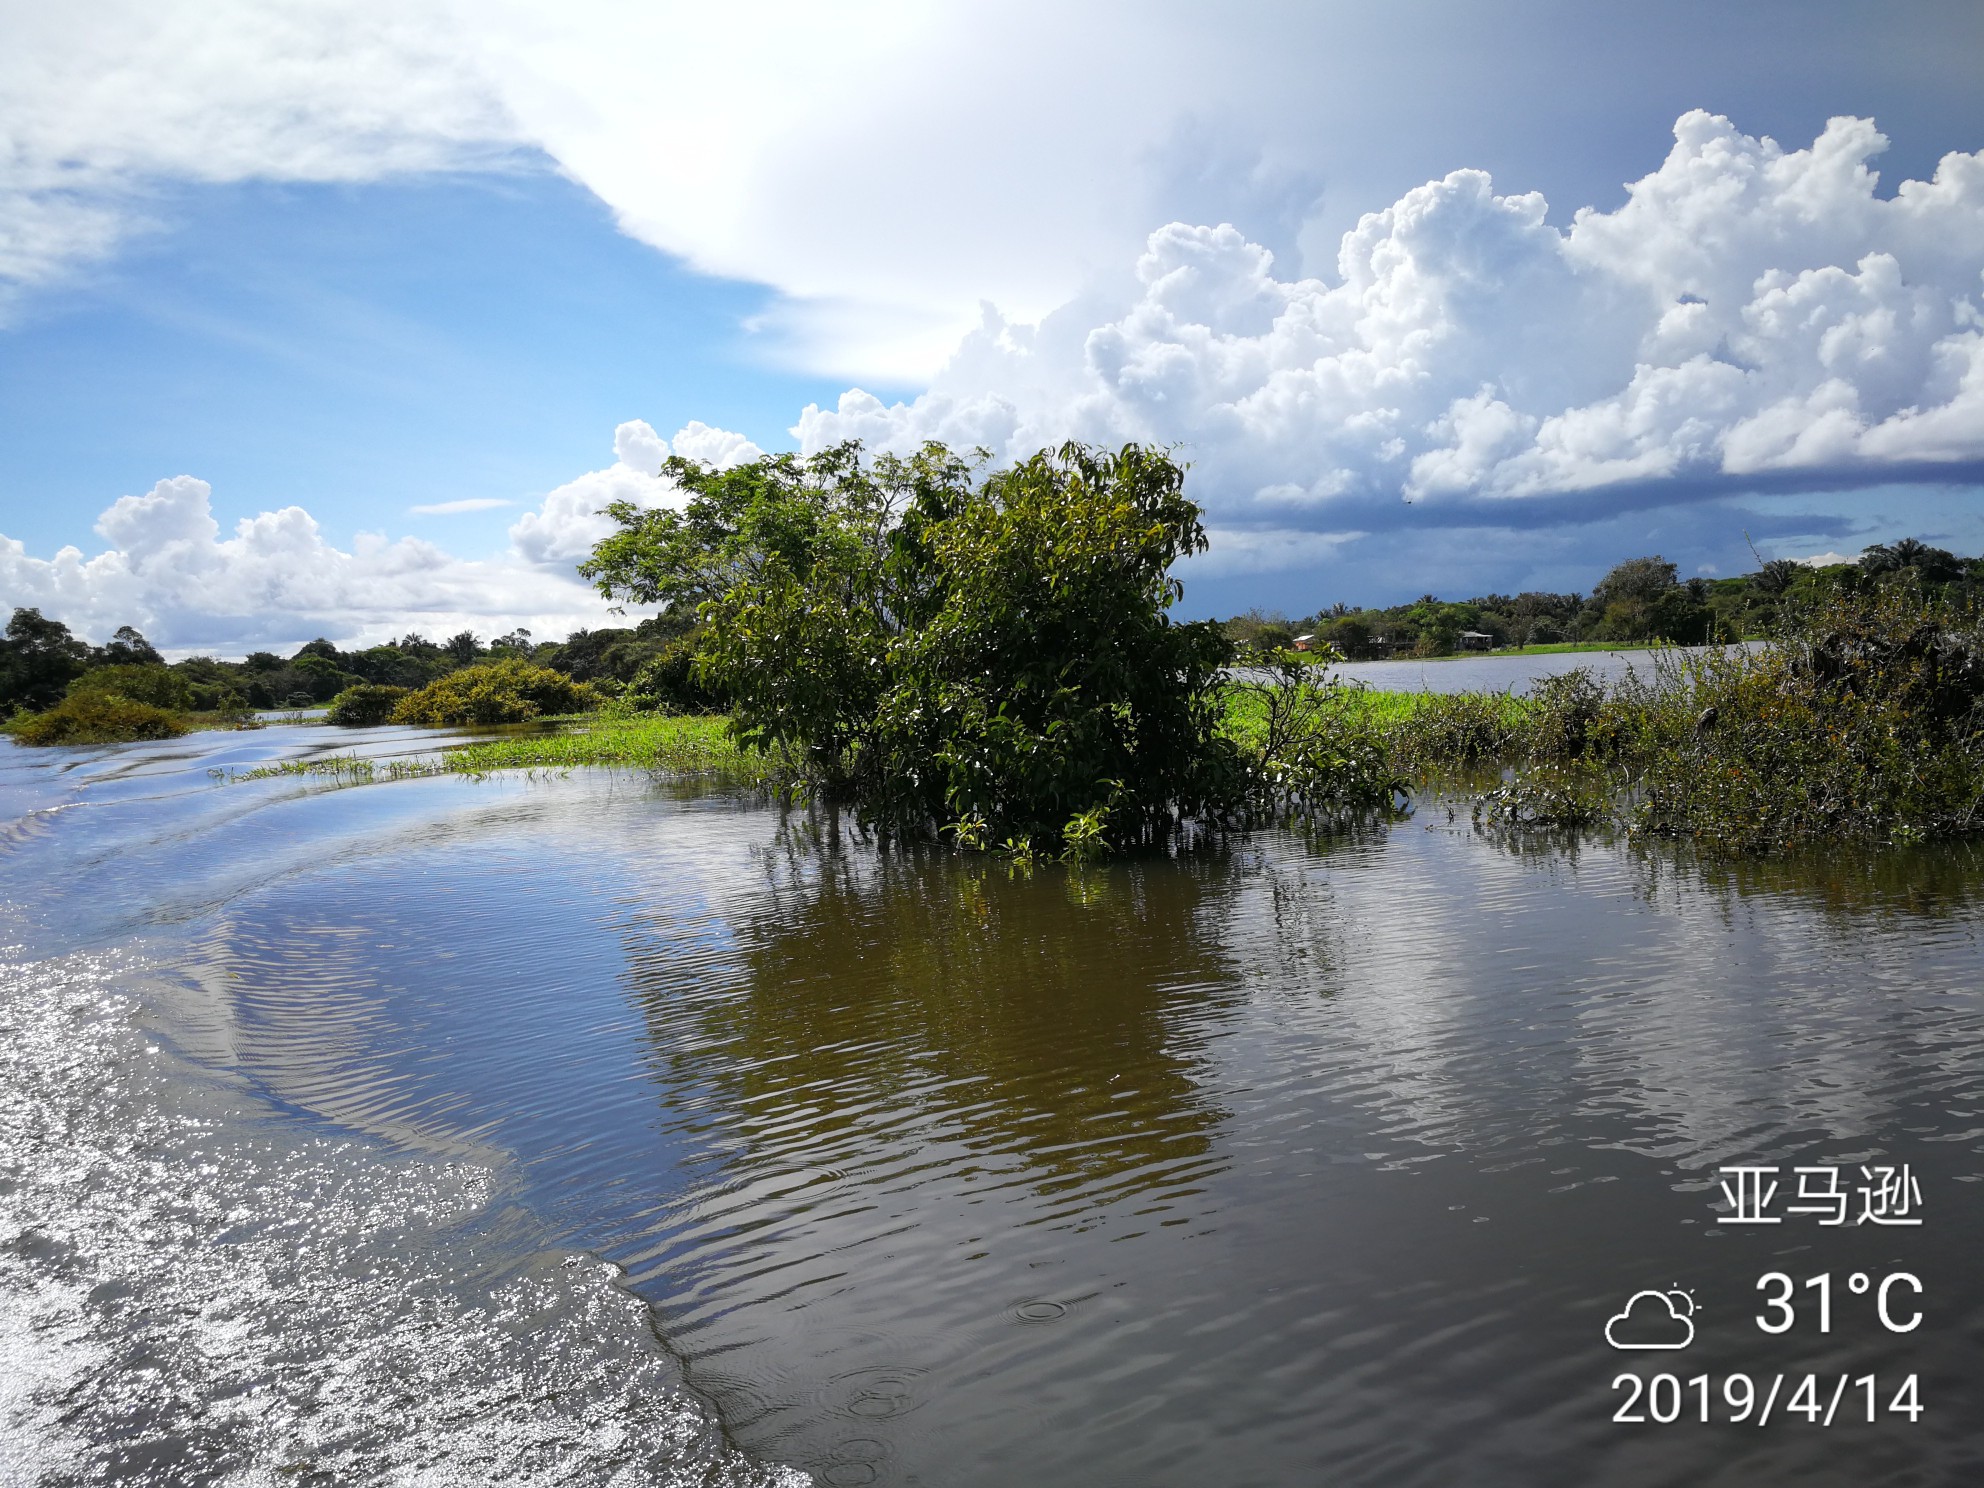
{"points": [[586, 1129]]}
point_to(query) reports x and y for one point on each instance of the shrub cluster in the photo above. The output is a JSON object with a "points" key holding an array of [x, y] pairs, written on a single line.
{"points": [[152, 683], [366, 705], [1861, 721], [91, 717], [507, 691]]}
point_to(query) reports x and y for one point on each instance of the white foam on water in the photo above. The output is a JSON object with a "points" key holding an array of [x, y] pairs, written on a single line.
{"points": [[198, 1288]]}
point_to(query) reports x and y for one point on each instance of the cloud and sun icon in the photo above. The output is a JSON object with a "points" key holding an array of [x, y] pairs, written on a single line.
{"points": [[1654, 1320]]}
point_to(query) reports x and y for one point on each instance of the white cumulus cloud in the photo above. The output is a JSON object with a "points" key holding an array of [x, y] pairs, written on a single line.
{"points": [[882, 165], [1750, 312], [572, 518], [277, 581]]}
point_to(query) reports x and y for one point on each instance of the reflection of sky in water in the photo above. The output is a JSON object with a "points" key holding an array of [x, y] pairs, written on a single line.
{"points": [[1231, 1170]]}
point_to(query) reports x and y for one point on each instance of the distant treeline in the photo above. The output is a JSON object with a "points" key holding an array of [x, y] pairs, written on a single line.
{"points": [[1640, 600], [42, 662]]}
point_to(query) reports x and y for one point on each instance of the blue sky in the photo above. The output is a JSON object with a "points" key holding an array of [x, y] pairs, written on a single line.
{"points": [[360, 350], [311, 268]]}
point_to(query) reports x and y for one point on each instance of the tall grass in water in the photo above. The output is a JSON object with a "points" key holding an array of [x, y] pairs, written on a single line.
{"points": [[1860, 722], [1863, 722]]}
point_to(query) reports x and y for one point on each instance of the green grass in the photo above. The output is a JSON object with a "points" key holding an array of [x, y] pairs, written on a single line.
{"points": [[688, 746], [1380, 711], [675, 745]]}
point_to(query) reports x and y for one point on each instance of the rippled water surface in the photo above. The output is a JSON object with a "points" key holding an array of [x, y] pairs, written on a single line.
{"points": [[585, 1129]]}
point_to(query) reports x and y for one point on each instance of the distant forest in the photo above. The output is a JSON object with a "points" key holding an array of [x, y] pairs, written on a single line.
{"points": [[1639, 600], [40, 658]]}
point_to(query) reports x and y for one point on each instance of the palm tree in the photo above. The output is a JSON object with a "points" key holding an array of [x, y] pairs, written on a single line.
{"points": [[1775, 576], [1935, 565]]}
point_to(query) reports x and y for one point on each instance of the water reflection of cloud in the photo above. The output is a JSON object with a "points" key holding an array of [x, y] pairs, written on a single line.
{"points": [[1500, 1004]]}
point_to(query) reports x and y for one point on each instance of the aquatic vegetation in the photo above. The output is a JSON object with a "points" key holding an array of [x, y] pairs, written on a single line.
{"points": [[1550, 796], [508, 691], [939, 644], [366, 705], [1312, 747], [98, 718], [1861, 721], [1864, 722], [677, 746], [672, 745], [348, 769], [1460, 728]]}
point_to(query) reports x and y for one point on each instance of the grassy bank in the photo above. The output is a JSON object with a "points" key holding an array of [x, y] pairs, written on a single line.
{"points": [[686, 746], [674, 745], [1551, 648]]}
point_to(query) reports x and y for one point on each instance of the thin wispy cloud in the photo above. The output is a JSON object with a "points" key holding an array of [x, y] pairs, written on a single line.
{"points": [[456, 508]]}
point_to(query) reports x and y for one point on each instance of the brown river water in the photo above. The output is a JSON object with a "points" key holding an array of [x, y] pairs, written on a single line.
{"points": [[588, 1129]]}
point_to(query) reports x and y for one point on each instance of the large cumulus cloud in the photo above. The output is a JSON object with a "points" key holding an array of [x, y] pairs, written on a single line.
{"points": [[277, 580], [1751, 316], [883, 165]]}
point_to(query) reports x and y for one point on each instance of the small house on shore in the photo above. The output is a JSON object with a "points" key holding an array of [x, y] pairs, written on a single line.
{"points": [[1476, 640]]}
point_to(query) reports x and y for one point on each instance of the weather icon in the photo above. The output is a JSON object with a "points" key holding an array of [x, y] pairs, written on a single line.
{"points": [[1653, 1320]]}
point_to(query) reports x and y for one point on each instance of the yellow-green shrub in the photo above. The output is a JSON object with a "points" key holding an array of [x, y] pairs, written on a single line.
{"points": [[97, 718], [509, 691], [365, 705]]}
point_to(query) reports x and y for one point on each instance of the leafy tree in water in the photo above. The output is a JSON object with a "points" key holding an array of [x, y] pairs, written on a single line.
{"points": [[992, 652]]}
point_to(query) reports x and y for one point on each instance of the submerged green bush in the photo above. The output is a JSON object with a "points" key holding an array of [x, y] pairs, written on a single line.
{"points": [[1460, 728], [509, 691], [365, 705], [97, 718], [1311, 747]]}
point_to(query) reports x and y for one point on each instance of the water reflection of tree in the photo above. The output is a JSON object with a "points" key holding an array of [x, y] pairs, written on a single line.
{"points": [[911, 1012], [1932, 881], [1929, 882]]}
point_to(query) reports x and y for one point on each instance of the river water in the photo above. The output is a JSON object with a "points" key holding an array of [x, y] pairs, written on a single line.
{"points": [[588, 1129], [1510, 673]]}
